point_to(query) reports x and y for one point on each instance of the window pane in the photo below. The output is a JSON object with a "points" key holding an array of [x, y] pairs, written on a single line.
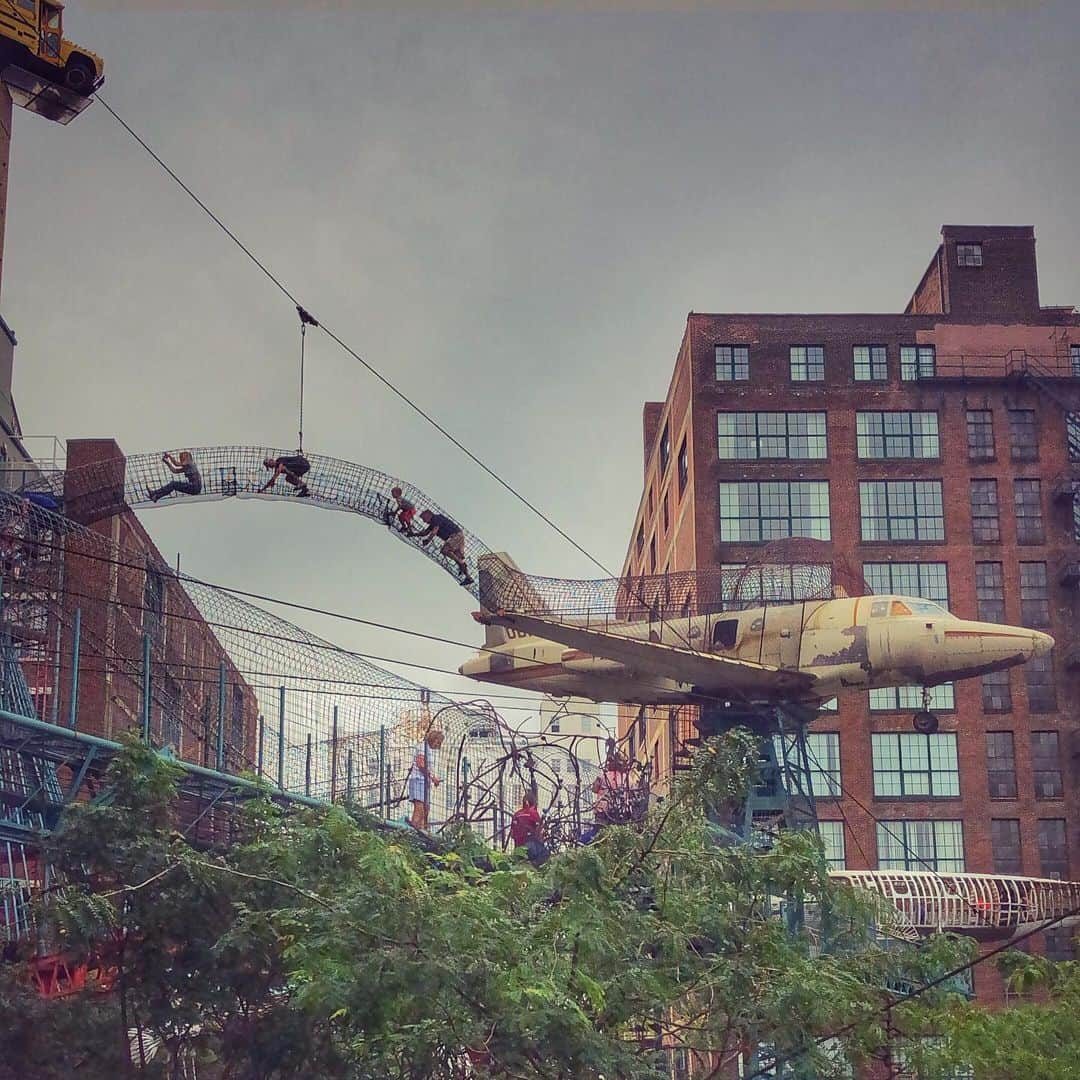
{"points": [[908, 764], [921, 845], [1041, 690], [929, 580], [1023, 435], [871, 364], [917, 362], [1027, 495], [1046, 765], [1053, 854], [901, 510], [996, 692], [1001, 764], [897, 435], [832, 836], [749, 436], [732, 363], [903, 698], [770, 510], [985, 527], [990, 592], [1034, 595], [980, 435], [1005, 842], [807, 363]]}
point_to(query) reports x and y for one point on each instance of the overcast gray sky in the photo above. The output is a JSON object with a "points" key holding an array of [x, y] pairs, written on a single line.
{"points": [[509, 213]]}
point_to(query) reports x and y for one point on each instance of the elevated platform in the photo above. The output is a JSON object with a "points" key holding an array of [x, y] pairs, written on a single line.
{"points": [[38, 95]]}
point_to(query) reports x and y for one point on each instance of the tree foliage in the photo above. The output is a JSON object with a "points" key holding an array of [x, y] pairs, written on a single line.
{"points": [[319, 945]]}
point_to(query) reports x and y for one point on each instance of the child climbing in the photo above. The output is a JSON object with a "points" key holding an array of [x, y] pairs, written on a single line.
{"points": [[400, 510], [294, 467], [190, 485]]}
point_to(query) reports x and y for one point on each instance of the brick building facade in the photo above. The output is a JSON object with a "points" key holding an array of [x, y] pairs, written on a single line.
{"points": [[930, 453], [123, 604]]}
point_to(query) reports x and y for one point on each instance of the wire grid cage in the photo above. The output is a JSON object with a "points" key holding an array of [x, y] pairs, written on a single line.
{"points": [[790, 570], [237, 688]]}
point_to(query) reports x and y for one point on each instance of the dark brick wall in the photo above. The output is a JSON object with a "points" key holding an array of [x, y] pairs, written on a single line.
{"points": [[185, 653], [770, 388]]}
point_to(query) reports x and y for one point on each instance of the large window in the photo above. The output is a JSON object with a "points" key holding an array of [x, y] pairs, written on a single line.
{"points": [[665, 448], [897, 435], [902, 510], [1074, 357], [1072, 435], [748, 436], [683, 467], [742, 587], [1046, 765], [921, 845], [732, 363], [774, 509], [871, 363], [909, 764], [1034, 595], [822, 758], [1001, 764], [989, 592], [1041, 689], [969, 254], [996, 692], [1005, 844], [832, 836], [902, 698], [1023, 435], [807, 363], [917, 362], [985, 525], [1053, 854], [930, 580], [980, 435], [1027, 498]]}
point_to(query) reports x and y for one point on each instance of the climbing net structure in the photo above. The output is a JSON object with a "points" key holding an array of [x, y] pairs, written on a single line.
{"points": [[225, 684]]}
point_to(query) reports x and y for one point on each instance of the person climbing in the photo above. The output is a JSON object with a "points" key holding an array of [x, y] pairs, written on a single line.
{"points": [[190, 485], [294, 467], [612, 789], [449, 532], [527, 830], [402, 510], [422, 777]]}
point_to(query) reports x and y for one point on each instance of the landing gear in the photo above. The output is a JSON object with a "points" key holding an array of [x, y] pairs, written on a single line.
{"points": [[924, 721]]}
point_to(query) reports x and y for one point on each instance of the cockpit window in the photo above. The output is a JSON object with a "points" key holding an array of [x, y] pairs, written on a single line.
{"points": [[926, 608], [879, 609], [898, 607]]}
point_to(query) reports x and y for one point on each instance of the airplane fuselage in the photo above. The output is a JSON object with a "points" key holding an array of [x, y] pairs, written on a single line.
{"points": [[850, 643]]}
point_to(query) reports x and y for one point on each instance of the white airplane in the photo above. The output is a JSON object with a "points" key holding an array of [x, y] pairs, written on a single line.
{"points": [[800, 653]]}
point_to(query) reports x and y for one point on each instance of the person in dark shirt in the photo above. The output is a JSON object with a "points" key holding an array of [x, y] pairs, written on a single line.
{"points": [[449, 532], [190, 485], [293, 467]]}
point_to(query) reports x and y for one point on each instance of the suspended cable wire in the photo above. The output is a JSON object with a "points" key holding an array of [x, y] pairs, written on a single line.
{"points": [[400, 394]]}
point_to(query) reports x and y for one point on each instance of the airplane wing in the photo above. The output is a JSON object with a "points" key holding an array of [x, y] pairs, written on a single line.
{"points": [[706, 671]]}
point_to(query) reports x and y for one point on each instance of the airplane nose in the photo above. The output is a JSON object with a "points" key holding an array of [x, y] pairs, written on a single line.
{"points": [[1041, 644]]}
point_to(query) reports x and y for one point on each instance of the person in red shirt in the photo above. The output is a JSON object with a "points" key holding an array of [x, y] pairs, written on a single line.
{"points": [[527, 829]]}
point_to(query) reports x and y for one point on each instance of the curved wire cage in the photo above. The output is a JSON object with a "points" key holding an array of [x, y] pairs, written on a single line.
{"points": [[233, 686]]}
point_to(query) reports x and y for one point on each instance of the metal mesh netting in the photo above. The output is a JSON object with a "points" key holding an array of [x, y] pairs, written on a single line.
{"points": [[238, 688], [104, 488]]}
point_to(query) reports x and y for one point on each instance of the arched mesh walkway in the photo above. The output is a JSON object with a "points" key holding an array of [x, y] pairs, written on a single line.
{"points": [[91, 492]]}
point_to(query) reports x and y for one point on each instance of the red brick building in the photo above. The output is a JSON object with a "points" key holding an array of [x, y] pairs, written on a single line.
{"points": [[930, 452], [125, 601]]}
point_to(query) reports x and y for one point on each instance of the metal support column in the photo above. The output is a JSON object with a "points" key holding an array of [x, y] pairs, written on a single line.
{"points": [[146, 688], [307, 766], [384, 807], [76, 648], [221, 718], [259, 752], [333, 756], [349, 777], [281, 739]]}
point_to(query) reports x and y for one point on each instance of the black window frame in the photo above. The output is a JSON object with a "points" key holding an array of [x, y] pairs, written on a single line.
{"points": [[996, 690], [1023, 434], [1001, 748], [760, 487], [983, 496], [980, 435], [1041, 681], [890, 439], [1034, 595], [899, 741], [921, 365], [813, 367], [923, 571], [1006, 846], [1052, 864], [926, 528], [875, 365], [969, 254], [762, 440], [1027, 497], [1047, 777], [736, 363]]}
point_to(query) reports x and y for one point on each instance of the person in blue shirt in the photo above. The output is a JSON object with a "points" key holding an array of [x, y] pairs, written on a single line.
{"points": [[449, 532]]}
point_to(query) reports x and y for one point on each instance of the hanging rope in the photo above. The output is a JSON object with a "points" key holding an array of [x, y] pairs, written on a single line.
{"points": [[306, 320]]}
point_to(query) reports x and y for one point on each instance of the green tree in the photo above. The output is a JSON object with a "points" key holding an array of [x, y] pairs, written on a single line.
{"points": [[321, 944]]}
